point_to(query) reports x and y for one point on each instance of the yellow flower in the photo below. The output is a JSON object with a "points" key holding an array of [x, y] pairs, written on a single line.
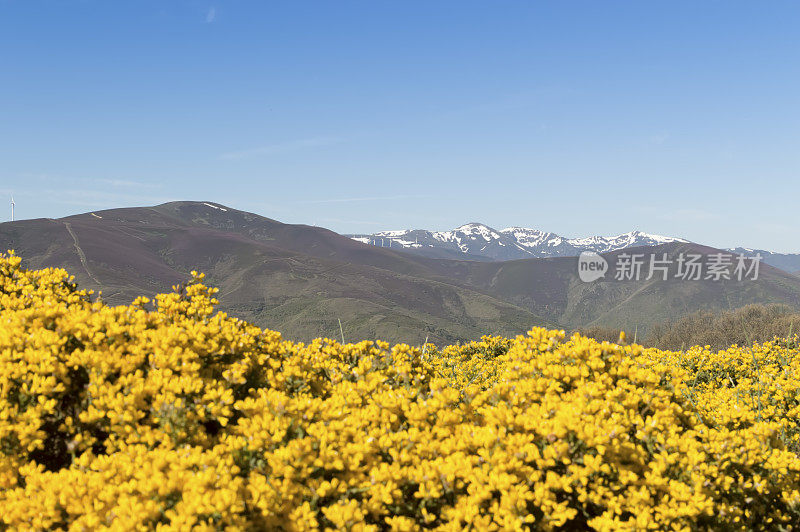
{"points": [[165, 414]]}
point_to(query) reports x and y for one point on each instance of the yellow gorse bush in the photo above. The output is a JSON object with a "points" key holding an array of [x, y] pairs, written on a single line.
{"points": [[165, 414]]}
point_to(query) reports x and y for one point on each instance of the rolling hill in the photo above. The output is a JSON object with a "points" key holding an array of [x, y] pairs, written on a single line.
{"points": [[298, 279], [301, 280], [551, 288]]}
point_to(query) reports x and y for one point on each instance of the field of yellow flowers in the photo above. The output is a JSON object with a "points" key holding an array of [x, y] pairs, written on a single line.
{"points": [[165, 414]]}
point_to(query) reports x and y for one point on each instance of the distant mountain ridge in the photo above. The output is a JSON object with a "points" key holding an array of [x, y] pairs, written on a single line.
{"points": [[477, 241], [788, 262], [303, 280]]}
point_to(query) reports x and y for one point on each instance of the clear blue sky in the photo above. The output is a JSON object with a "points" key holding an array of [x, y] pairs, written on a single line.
{"points": [[679, 118]]}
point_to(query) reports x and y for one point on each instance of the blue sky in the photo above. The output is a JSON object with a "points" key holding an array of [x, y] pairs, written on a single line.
{"points": [[679, 118]]}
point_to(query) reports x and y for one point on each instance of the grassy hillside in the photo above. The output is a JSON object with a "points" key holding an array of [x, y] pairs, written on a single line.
{"points": [[299, 279], [719, 330], [551, 287], [741, 327], [303, 279]]}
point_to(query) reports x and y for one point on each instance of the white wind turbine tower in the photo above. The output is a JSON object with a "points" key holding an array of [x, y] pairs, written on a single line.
{"points": [[12, 208]]}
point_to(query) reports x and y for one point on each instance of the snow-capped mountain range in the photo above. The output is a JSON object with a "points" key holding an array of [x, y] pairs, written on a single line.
{"points": [[479, 242], [788, 262]]}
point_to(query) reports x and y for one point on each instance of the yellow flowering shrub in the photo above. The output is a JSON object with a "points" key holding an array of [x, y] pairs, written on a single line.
{"points": [[472, 364], [165, 414]]}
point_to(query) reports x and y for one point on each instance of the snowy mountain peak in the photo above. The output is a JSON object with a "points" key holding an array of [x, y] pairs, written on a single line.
{"points": [[478, 241], [531, 238], [477, 230], [470, 226]]}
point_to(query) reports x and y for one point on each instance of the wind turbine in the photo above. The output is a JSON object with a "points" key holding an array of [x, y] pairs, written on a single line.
{"points": [[12, 208]]}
